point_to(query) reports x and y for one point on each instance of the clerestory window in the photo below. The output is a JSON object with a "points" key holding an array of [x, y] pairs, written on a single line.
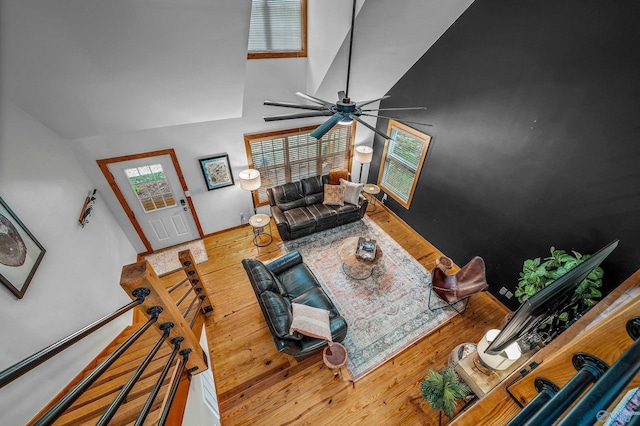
{"points": [[278, 29]]}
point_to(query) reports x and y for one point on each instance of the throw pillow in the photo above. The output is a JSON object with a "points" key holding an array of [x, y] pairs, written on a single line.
{"points": [[351, 191], [336, 175], [334, 195], [310, 321]]}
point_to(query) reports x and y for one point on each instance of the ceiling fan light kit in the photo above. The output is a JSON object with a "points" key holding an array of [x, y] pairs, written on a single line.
{"points": [[343, 111]]}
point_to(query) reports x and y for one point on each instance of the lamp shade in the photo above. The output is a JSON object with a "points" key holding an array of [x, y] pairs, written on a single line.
{"points": [[363, 154], [249, 179]]}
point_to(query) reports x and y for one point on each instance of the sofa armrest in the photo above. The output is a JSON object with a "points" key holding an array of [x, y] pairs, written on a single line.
{"points": [[285, 262], [281, 223], [363, 204], [278, 215]]}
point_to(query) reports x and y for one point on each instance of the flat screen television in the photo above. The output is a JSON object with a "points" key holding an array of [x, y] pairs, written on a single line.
{"points": [[547, 301]]}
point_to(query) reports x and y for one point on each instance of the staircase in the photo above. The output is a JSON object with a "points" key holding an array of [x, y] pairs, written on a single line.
{"points": [[142, 377], [91, 405]]}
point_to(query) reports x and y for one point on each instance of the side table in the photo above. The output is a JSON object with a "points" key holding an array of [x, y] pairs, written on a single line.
{"points": [[259, 222], [372, 190], [335, 357]]}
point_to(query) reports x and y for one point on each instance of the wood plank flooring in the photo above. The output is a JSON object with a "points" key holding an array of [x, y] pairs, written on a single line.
{"points": [[257, 385]]}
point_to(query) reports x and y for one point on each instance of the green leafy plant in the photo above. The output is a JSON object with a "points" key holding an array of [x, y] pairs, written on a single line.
{"points": [[537, 274], [442, 389]]}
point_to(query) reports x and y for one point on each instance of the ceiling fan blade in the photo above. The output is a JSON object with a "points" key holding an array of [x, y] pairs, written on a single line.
{"points": [[361, 104], [395, 109], [292, 105], [397, 119], [342, 95], [370, 127], [314, 99], [296, 115], [321, 130]]}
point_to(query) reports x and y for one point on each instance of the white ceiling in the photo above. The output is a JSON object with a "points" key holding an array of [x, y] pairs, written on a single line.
{"points": [[93, 67], [88, 67]]}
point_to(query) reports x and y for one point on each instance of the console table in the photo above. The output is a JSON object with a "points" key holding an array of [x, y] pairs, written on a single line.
{"points": [[481, 383]]}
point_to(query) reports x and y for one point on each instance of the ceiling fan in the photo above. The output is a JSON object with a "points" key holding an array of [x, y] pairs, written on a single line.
{"points": [[343, 111]]}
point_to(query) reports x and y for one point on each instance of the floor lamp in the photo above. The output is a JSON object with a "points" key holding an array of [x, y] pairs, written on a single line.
{"points": [[250, 181], [363, 155]]}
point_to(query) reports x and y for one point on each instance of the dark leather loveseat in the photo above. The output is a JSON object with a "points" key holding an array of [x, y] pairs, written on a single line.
{"points": [[278, 284], [297, 208]]}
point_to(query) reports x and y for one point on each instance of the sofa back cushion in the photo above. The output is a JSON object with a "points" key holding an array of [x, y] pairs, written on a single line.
{"points": [[351, 191], [261, 277], [313, 190], [288, 196]]}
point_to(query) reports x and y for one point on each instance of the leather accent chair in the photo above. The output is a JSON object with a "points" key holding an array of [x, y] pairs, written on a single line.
{"points": [[280, 283], [459, 287]]}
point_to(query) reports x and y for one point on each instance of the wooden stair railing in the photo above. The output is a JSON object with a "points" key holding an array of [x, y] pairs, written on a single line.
{"points": [[131, 381]]}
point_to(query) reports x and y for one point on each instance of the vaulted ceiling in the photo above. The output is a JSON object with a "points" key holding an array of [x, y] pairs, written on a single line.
{"points": [[91, 67]]}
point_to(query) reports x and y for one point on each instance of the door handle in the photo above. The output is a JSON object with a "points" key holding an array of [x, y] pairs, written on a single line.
{"points": [[183, 203]]}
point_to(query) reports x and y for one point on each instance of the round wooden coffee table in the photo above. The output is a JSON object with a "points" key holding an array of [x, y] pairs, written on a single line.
{"points": [[353, 267]]}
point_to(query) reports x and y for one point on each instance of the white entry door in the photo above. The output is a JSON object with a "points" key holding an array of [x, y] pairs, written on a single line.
{"points": [[153, 192]]}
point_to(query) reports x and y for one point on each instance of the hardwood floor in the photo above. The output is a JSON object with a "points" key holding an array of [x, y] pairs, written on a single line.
{"points": [[257, 385]]}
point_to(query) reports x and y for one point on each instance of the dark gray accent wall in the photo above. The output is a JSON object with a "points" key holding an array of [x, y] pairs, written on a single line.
{"points": [[536, 136]]}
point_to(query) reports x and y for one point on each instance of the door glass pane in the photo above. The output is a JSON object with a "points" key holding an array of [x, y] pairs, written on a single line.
{"points": [[151, 186]]}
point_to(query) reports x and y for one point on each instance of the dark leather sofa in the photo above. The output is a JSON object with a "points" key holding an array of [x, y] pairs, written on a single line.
{"points": [[278, 284], [297, 209]]}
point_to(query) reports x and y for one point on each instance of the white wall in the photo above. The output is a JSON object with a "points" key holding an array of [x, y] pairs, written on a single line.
{"points": [[202, 402], [218, 209], [78, 279]]}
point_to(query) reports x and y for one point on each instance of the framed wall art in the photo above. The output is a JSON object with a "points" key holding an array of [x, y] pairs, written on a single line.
{"points": [[217, 171], [20, 252]]}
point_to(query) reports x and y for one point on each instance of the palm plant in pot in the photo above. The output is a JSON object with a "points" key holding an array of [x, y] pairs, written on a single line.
{"points": [[537, 274], [442, 389]]}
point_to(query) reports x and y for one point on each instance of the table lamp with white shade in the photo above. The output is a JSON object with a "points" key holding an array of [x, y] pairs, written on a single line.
{"points": [[363, 155]]}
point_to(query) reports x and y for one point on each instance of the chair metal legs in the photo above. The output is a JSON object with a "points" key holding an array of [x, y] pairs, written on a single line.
{"points": [[450, 304]]}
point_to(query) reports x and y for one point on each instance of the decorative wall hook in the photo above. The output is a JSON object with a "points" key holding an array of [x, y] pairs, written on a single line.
{"points": [[87, 208]]}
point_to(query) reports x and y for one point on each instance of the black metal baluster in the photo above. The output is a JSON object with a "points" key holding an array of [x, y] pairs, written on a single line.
{"points": [[173, 287], [50, 416], [119, 399], [174, 387], [197, 291], [27, 364], [546, 390], [612, 383], [184, 296], [590, 369], [195, 316], [176, 341]]}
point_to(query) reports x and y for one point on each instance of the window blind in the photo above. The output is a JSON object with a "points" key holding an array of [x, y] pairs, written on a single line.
{"points": [[276, 26], [292, 155]]}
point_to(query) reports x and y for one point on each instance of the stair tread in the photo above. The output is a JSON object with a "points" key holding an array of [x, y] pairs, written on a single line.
{"points": [[135, 400]]}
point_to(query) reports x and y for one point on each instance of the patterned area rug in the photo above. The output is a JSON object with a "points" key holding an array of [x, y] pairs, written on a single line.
{"points": [[386, 312], [167, 261]]}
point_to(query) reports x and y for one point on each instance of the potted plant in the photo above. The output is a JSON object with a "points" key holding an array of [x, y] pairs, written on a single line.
{"points": [[537, 274], [442, 389]]}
